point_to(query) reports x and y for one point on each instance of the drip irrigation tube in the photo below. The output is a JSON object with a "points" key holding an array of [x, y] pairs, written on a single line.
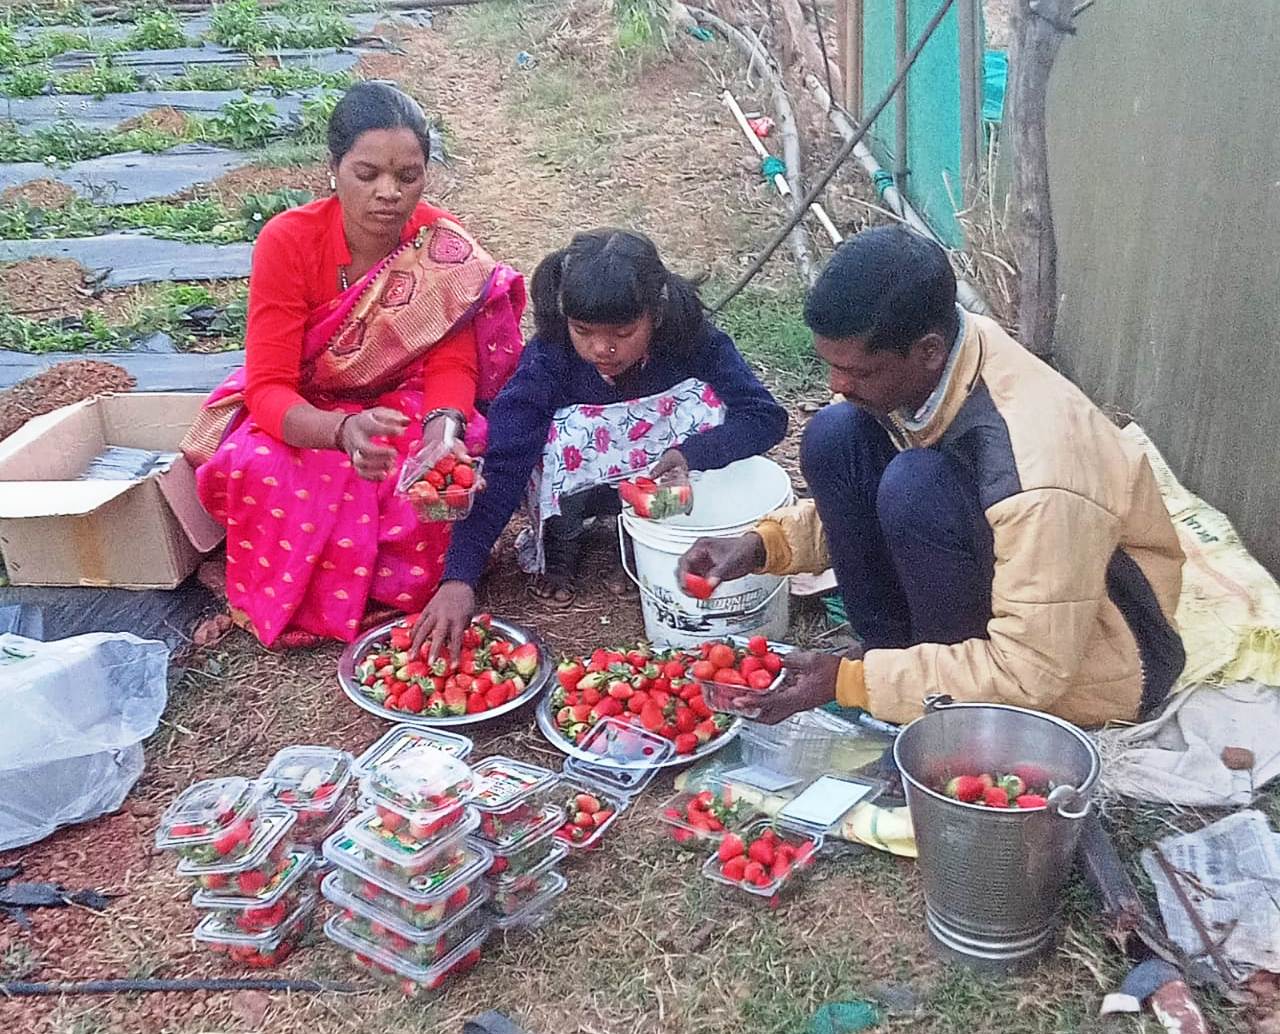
{"points": [[966, 294], [38, 988]]}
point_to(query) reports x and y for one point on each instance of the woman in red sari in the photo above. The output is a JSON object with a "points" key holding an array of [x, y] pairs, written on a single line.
{"points": [[375, 323]]}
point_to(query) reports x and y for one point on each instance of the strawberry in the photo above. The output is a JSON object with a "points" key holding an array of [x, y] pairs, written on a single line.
{"points": [[584, 820], [652, 718], [476, 704], [734, 869], [721, 656], [446, 463], [701, 708], [686, 720], [608, 708], [235, 835], [586, 802], [965, 788], [703, 671], [754, 873], [706, 731], [412, 700], [456, 701], [698, 587], [456, 497], [781, 868], [1031, 800], [1013, 785], [464, 475], [524, 659], [602, 816], [772, 663], [757, 646], [761, 851], [686, 743], [731, 847], [459, 897], [252, 882], [995, 797], [760, 679], [496, 696]]}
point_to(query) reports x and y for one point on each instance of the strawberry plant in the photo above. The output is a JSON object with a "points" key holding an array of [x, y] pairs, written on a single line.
{"points": [[256, 209], [25, 81], [245, 123], [156, 30]]}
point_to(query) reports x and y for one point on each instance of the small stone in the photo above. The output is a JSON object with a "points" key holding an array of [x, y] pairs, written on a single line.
{"points": [[250, 1007], [1238, 759]]}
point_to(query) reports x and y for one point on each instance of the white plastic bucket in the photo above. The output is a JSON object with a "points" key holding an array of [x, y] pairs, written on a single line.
{"points": [[726, 503]]}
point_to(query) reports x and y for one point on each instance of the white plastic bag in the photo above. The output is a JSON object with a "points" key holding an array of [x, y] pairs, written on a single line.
{"points": [[75, 714]]}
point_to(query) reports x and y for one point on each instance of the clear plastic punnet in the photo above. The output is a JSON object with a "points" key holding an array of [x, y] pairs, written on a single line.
{"points": [[287, 883], [413, 980], [439, 484], [514, 903], [519, 869], [537, 909], [707, 813], [310, 779], [502, 783], [506, 833], [251, 873], [773, 875], [406, 737], [395, 851], [423, 901], [263, 949], [421, 947], [589, 813], [212, 820], [421, 783], [620, 757]]}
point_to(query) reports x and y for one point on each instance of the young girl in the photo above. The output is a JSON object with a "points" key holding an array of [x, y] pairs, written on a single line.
{"points": [[625, 376]]}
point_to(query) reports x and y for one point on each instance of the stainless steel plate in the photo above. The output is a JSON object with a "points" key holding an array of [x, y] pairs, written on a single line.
{"points": [[357, 650]]}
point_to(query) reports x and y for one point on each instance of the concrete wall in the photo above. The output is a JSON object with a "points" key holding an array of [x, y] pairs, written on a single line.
{"points": [[1164, 125]]}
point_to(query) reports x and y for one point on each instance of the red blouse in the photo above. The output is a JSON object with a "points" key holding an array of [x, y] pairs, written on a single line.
{"points": [[295, 270]]}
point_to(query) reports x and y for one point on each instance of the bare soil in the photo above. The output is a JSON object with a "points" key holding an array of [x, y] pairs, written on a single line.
{"points": [[43, 288], [58, 386], [235, 186], [38, 194], [164, 119]]}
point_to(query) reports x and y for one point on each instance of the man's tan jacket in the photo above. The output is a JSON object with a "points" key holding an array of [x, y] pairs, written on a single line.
{"points": [[1087, 563]]}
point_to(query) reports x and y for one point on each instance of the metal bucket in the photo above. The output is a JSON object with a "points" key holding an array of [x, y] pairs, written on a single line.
{"points": [[993, 878]]}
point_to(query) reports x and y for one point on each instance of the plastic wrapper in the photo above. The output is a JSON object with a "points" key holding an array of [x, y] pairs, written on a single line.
{"points": [[418, 947], [515, 903], [76, 713]]}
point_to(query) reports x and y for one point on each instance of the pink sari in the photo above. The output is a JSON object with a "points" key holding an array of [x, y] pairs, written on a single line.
{"points": [[309, 542]]}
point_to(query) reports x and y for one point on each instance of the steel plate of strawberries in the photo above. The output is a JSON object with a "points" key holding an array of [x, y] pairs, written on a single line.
{"points": [[655, 690], [489, 671]]}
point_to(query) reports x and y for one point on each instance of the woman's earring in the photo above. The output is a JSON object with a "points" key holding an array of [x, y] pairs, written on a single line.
{"points": [[333, 183]]}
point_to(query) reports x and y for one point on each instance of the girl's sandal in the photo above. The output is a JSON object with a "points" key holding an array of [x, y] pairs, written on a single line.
{"points": [[555, 589]]}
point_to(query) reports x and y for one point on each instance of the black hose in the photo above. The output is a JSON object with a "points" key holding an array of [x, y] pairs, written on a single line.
{"points": [[35, 988]]}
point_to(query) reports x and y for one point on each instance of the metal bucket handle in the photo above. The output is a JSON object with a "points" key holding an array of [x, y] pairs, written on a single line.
{"points": [[656, 601], [1067, 802]]}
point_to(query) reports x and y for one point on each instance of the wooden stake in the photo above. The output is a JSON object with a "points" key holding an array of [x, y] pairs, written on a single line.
{"points": [[1038, 28]]}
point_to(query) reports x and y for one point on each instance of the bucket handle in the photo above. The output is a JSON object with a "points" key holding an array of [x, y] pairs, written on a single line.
{"points": [[1065, 801], [658, 602]]}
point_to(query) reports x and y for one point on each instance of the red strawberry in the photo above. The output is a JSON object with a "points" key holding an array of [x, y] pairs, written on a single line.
{"points": [[755, 873], [608, 708], [734, 869], [722, 656], [459, 897], [412, 699], [758, 645], [446, 463], [772, 663], [476, 704], [965, 788], [686, 743], [254, 881], [760, 679], [390, 820], [700, 707], [1031, 800], [780, 869], [496, 696], [651, 718], [524, 658], [761, 851], [686, 720], [698, 587], [570, 673], [235, 835], [995, 797], [464, 475], [731, 847], [456, 497], [602, 816], [584, 820]]}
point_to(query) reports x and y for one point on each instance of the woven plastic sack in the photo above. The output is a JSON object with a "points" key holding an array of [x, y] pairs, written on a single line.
{"points": [[75, 714]]}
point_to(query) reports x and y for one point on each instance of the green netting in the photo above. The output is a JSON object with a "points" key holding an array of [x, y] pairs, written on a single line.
{"points": [[934, 184]]}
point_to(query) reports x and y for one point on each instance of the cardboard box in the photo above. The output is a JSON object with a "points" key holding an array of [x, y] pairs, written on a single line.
{"points": [[143, 534]]}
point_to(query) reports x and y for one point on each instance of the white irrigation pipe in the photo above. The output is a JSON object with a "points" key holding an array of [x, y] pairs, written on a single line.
{"points": [[779, 179], [966, 294]]}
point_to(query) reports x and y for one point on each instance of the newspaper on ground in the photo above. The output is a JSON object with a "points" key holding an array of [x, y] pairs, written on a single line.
{"points": [[1230, 873]]}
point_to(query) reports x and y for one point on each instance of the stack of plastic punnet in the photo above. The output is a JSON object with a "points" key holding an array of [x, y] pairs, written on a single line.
{"points": [[519, 820], [236, 844], [318, 785], [407, 880]]}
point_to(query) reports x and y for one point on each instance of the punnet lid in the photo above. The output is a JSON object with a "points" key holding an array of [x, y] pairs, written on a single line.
{"points": [[369, 830], [510, 837], [431, 977], [273, 825], [203, 811], [333, 891], [220, 928], [420, 781], [285, 879], [502, 783], [401, 737], [310, 778], [470, 861], [625, 757]]}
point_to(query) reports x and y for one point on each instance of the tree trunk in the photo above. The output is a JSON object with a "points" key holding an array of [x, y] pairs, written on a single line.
{"points": [[1039, 26]]}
